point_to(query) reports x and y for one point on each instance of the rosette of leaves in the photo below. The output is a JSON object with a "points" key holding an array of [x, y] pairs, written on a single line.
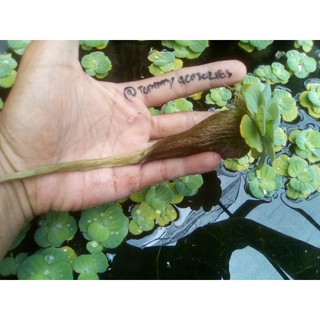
{"points": [[276, 73], [163, 61], [7, 72], [280, 139], [310, 99], [219, 96], [177, 105], [93, 44], [10, 265], [306, 45], [250, 45], [46, 264], [303, 179], [189, 185], [189, 49], [105, 224], [300, 64], [307, 144], [239, 164], [287, 105], [89, 265], [96, 64], [18, 46], [55, 228], [261, 119], [263, 182]]}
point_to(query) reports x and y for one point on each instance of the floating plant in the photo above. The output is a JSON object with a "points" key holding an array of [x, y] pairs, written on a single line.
{"points": [[287, 105], [93, 44], [276, 73], [239, 164], [250, 45], [189, 185], [55, 228], [96, 64], [307, 144], [10, 265], [105, 224], [219, 96], [177, 105], [306, 45], [189, 49], [7, 72], [18, 46], [46, 264], [310, 99], [163, 61], [300, 64], [264, 182]]}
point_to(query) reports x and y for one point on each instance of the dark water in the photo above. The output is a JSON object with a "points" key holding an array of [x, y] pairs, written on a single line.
{"points": [[222, 232]]}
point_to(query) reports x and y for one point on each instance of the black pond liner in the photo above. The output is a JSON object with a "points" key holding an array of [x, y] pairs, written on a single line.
{"points": [[222, 232]]}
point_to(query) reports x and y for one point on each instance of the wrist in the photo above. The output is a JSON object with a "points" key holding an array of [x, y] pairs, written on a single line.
{"points": [[15, 210]]}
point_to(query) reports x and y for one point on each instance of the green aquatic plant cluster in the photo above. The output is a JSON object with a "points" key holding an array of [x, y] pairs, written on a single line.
{"points": [[300, 63], [18, 46], [7, 70], [310, 99], [219, 96], [93, 44], [96, 64], [274, 73], [163, 61], [306, 45], [251, 45], [189, 49]]}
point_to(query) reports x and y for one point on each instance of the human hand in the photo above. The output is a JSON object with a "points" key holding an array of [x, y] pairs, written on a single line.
{"points": [[57, 113]]}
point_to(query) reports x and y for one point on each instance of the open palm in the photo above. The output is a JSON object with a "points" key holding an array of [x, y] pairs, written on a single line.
{"points": [[57, 113]]}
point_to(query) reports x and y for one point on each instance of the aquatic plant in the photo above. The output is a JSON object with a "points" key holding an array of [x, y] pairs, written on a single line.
{"points": [[18, 46], [21, 235], [177, 105], [280, 139], [55, 228], [307, 144], [300, 64], [310, 99], [46, 264], [276, 73], [105, 224], [263, 182], [250, 45], [219, 96], [163, 61], [238, 164], [189, 185], [89, 265], [10, 265], [96, 64], [7, 72], [287, 105], [306, 45], [93, 44], [189, 49], [262, 118], [303, 179]]}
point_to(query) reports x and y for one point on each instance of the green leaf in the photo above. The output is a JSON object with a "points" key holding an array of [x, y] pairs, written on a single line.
{"points": [[250, 133]]}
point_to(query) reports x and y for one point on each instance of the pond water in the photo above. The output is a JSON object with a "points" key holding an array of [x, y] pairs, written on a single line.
{"points": [[222, 232]]}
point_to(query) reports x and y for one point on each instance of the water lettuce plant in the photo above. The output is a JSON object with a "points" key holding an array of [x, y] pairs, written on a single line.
{"points": [[96, 64], [274, 73], [287, 105], [177, 105], [219, 96], [310, 99], [7, 70], [250, 45], [93, 44], [262, 118], [18, 46], [163, 61], [55, 228], [306, 45], [307, 144], [239, 164], [105, 224], [9, 265], [189, 49], [263, 182], [46, 264], [300, 64], [303, 179], [189, 185]]}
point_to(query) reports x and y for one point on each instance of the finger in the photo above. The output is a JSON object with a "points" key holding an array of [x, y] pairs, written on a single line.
{"points": [[168, 124], [181, 83], [158, 171]]}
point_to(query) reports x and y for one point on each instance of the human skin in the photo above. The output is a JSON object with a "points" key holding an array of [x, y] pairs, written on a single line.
{"points": [[56, 113]]}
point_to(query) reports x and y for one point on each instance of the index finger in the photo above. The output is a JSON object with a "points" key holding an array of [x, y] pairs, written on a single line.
{"points": [[184, 82]]}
